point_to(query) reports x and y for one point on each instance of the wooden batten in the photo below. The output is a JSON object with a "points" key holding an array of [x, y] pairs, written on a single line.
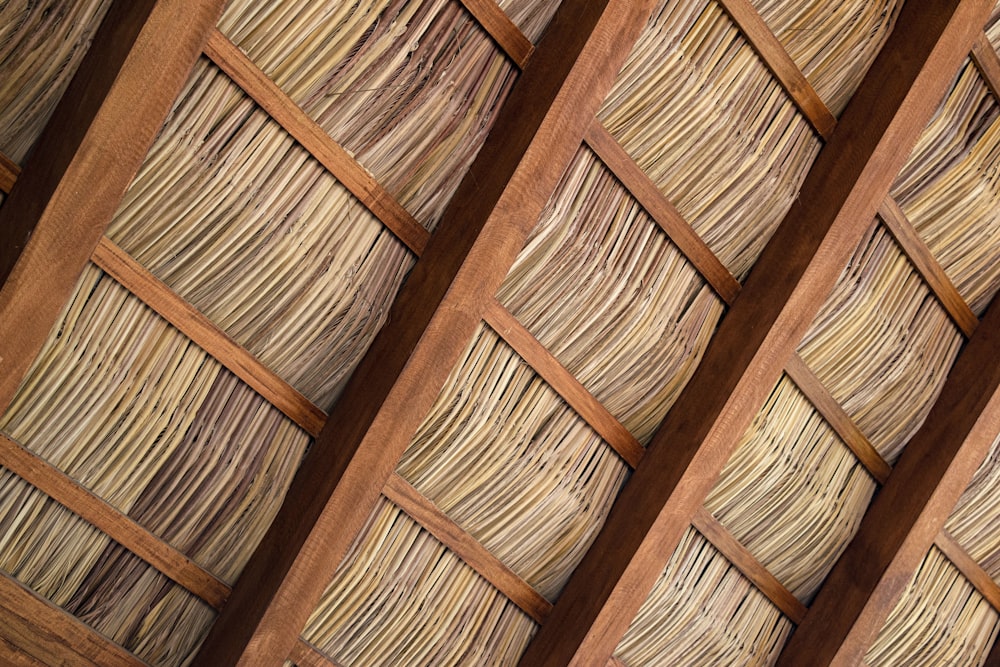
{"points": [[8, 173], [792, 278], [503, 31]]}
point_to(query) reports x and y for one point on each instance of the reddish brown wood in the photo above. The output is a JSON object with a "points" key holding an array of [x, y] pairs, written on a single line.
{"points": [[791, 280], [840, 421], [314, 139], [777, 60], [935, 277], [70, 494], [83, 162], [744, 561], [616, 662], [435, 315], [158, 296], [662, 211], [909, 511], [9, 171], [988, 64], [51, 635], [305, 654], [562, 381], [14, 656], [970, 569], [503, 31], [446, 531]]}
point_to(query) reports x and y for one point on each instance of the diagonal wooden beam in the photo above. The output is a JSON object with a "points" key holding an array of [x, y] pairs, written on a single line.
{"points": [[909, 511], [537, 133], [84, 161], [793, 276], [9, 171]]}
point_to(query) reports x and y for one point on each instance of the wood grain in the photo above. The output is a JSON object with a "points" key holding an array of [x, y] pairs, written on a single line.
{"points": [[9, 171], [15, 656], [508, 36], [795, 273], [970, 569], [987, 62], [305, 654]]}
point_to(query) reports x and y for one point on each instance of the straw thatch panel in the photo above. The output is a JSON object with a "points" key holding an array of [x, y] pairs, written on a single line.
{"points": [[939, 620], [833, 43], [410, 87], [401, 598], [531, 16], [882, 344], [950, 191], [793, 493], [705, 119], [128, 406], [612, 298], [703, 612], [503, 456], [975, 521], [993, 27], [41, 45], [244, 224]]}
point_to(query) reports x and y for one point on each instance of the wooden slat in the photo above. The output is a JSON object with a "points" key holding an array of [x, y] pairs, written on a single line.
{"points": [[314, 139], [840, 421], [438, 310], [189, 320], [446, 531], [988, 64], [503, 31], [744, 561], [83, 162], [743, 361], [9, 171], [564, 383], [776, 58], [909, 511], [916, 250], [970, 569], [51, 635], [122, 529], [305, 654], [662, 211]]}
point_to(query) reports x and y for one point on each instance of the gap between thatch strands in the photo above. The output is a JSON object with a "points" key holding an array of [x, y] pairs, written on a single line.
{"points": [[9, 171], [507, 35], [970, 569]]}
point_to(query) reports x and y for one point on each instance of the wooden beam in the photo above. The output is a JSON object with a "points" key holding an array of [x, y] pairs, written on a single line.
{"points": [[988, 64], [909, 511], [508, 36], [9, 171], [15, 656], [305, 654], [789, 283], [437, 312], [83, 162], [970, 569]]}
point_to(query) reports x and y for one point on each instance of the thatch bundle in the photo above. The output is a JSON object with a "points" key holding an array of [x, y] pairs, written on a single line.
{"points": [[706, 120], [793, 494], [703, 612], [510, 462], [882, 344], [975, 521], [939, 620], [244, 224], [401, 598], [41, 45], [411, 88], [611, 297], [950, 188]]}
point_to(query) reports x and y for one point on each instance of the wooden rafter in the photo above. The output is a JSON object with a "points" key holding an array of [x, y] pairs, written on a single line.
{"points": [[793, 276], [9, 171], [437, 311]]}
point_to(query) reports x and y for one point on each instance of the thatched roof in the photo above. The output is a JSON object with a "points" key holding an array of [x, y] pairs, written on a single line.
{"points": [[440, 332]]}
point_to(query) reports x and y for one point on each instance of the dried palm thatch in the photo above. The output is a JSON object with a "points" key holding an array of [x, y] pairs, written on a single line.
{"points": [[882, 344], [703, 612], [833, 43], [793, 494], [275, 251], [993, 27], [950, 188], [532, 17], [706, 121], [411, 88], [939, 620], [41, 45], [607, 293], [401, 598], [975, 521], [505, 458]]}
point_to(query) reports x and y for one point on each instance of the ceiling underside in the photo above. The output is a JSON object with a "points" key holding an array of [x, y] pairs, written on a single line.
{"points": [[432, 332]]}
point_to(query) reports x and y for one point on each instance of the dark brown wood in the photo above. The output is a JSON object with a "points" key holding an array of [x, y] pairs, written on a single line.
{"points": [[744, 561], [84, 161], [993, 659], [51, 635], [14, 656], [122, 529], [9, 171], [314, 139], [158, 296], [562, 381], [909, 511], [305, 654], [927, 266], [988, 64], [437, 312], [475, 555], [789, 283], [970, 569], [503, 31]]}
